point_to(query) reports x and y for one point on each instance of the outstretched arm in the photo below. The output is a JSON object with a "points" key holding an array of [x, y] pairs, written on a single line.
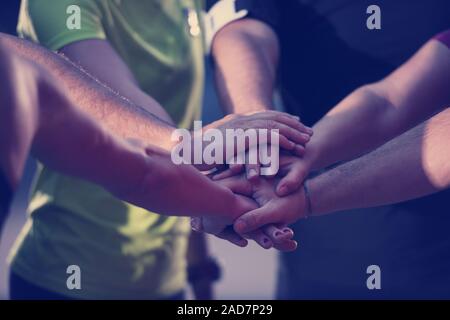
{"points": [[246, 56], [376, 113], [412, 165], [35, 109], [124, 116], [117, 113]]}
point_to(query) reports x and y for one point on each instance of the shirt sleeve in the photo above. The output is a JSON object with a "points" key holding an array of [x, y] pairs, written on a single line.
{"points": [[265, 11], [54, 24]]}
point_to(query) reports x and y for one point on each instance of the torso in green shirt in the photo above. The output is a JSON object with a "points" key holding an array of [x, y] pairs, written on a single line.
{"points": [[123, 251]]}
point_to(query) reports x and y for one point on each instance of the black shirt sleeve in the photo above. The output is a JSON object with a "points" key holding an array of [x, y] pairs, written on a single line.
{"points": [[6, 195]]}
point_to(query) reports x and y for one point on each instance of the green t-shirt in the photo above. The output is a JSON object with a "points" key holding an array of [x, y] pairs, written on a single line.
{"points": [[122, 251]]}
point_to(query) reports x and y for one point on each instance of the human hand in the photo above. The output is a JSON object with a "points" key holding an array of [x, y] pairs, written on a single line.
{"points": [[272, 208], [277, 236], [292, 173], [292, 134]]}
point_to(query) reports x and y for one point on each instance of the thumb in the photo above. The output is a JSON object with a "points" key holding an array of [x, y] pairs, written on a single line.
{"points": [[254, 220], [292, 181]]}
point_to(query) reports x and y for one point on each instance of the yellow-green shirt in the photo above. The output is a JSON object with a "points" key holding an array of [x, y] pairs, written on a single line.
{"points": [[122, 251]]}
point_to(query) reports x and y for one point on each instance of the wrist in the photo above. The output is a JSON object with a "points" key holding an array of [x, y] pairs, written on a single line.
{"points": [[230, 206], [307, 200], [317, 197], [252, 107], [312, 156], [237, 208]]}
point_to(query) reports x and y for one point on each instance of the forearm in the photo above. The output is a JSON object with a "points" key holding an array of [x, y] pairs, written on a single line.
{"points": [[356, 125], [117, 113], [143, 176], [378, 112], [18, 115], [110, 69], [246, 57], [413, 165]]}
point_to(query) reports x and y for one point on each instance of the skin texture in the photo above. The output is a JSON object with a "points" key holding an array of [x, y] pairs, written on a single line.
{"points": [[376, 113], [44, 121], [246, 54], [262, 190], [107, 66], [418, 159], [109, 69], [142, 120], [120, 105], [36, 114], [365, 120], [252, 44]]}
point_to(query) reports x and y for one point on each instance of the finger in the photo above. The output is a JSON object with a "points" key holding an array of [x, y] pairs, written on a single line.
{"points": [[272, 112], [236, 167], [286, 246], [254, 220], [261, 239], [287, 119], [224, 174], [292, 134], [292, 181], [283, 142], [252, 170], [230, 235], [278, 235], [237, 184], [299, 150]]}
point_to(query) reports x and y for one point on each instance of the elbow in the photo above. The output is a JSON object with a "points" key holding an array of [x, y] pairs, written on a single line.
{"points": [[382, 113], [256, 33]]}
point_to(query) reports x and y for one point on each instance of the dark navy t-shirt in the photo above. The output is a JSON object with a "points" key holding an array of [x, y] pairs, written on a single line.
{"points": [[6, 195], [327, 51]]}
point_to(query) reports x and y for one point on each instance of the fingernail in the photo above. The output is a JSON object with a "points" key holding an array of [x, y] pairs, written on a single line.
{"points": [[307, 137], [297, 117], [282, 190], [267, 243], [242, 243], [310, 131], [240, 226]]}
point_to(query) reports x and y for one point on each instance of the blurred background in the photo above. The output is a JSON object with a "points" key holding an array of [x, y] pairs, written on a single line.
{"points": [[247, 273]]}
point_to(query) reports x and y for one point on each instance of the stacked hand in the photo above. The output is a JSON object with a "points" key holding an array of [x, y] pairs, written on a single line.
{"points": [[278, 201], [291, 134]]}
